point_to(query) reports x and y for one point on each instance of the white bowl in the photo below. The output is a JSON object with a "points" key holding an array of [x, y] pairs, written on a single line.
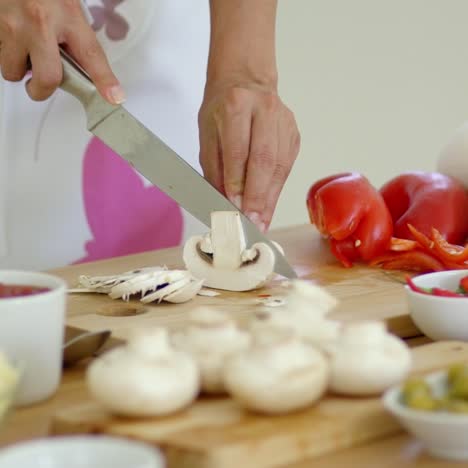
{"points": [[31, 333], [439, 318], [443, 434], [81, 452]]}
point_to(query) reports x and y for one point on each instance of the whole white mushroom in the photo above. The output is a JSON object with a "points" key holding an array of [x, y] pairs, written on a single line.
{"points": [[366, 360], [278, 373], [210, 336], [146, 377], [305, 312]]}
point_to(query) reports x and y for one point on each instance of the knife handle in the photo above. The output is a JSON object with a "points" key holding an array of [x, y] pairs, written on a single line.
{"points": [[77, 82]]}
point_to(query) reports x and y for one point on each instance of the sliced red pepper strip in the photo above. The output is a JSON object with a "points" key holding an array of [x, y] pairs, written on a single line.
{"points": [[446, 250], [431, 291], [416, 288], [421, 239], [445, 293], [463, 284], [402, 245], [415, 260]]}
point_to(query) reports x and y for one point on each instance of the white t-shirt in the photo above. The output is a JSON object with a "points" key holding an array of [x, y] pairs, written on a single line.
{"points": [[64, 196]]}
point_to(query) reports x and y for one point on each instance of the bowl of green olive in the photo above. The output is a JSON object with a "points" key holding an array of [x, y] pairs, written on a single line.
{"points": [[434, 409]]}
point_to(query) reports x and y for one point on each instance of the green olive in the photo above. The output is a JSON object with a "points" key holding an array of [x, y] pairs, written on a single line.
{"points": [[457, 377], [456, 406], [416, 384], [456, 371], [417, 394]]}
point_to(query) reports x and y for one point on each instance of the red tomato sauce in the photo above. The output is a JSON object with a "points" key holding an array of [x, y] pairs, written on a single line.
{"points": [[18, 290]]}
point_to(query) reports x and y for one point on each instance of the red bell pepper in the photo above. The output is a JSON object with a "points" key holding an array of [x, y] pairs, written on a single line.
{"points": [[414, 260], [348, 210], [427, 200]]}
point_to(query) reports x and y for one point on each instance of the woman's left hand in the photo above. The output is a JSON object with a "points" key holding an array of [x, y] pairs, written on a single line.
{"points": [[249, 142]]}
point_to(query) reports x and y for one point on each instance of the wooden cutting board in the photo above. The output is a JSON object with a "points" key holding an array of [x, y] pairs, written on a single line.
{"points": [[364, 293], [217, 433]]}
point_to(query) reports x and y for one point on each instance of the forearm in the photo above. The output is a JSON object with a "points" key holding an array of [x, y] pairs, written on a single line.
{"points": [[242, 44]]}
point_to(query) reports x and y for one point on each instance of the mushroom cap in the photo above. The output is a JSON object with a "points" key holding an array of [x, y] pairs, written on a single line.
{"points": [[308, 297], [210, 337], [277, 374], [144, 378], [249, 276], [368, 363], [314, 329]]}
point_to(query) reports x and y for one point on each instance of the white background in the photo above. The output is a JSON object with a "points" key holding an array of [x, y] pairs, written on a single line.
{"points": [[377, 87]]}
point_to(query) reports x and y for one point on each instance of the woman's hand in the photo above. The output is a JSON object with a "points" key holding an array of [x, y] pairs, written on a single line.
{"points": [[248, 143], [35, 29], [248, 138]]}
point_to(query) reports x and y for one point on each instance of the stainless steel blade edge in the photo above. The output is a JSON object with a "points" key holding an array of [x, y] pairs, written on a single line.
{"points": [[124, 134]]}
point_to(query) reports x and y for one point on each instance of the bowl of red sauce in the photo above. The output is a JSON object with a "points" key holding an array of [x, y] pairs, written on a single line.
{"points": [[32, 322]]}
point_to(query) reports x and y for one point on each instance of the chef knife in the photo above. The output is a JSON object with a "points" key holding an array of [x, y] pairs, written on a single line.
{"points": [[152, 158]]}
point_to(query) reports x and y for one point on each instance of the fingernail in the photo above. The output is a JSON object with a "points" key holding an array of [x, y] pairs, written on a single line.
{"points": [[255, 218], [237, 200], [116, 94]]}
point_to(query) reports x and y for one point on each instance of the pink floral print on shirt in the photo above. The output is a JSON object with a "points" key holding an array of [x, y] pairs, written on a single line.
{"points": [[105, 16], [125, 217]]}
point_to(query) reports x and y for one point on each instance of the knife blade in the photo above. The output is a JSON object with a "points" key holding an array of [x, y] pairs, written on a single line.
{"points": [[154, 159]]}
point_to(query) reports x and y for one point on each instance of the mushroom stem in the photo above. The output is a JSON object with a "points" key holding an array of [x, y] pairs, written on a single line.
{"points": [[227, 240]]}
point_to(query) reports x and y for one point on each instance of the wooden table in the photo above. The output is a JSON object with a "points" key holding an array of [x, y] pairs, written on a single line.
{"points": [[311, 258]]}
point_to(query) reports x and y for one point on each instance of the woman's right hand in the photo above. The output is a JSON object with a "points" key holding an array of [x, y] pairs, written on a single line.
{"points": [[35, 29]]}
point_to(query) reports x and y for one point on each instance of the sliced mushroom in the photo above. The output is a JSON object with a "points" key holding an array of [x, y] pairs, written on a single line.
{"points": [[278, 373], [152, 284], [210, 337], [224, 262], [146, 377], [367, 360], [186, 293]]}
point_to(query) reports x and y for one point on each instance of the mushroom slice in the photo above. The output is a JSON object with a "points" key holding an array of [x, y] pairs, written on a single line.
{"points": [[278, 373], [146, 377], [231, 266], [366, 360], [146, 282], [152, 283], [166, 290], [104, 284], [210, 337], [208, 292], [185, 293]]}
